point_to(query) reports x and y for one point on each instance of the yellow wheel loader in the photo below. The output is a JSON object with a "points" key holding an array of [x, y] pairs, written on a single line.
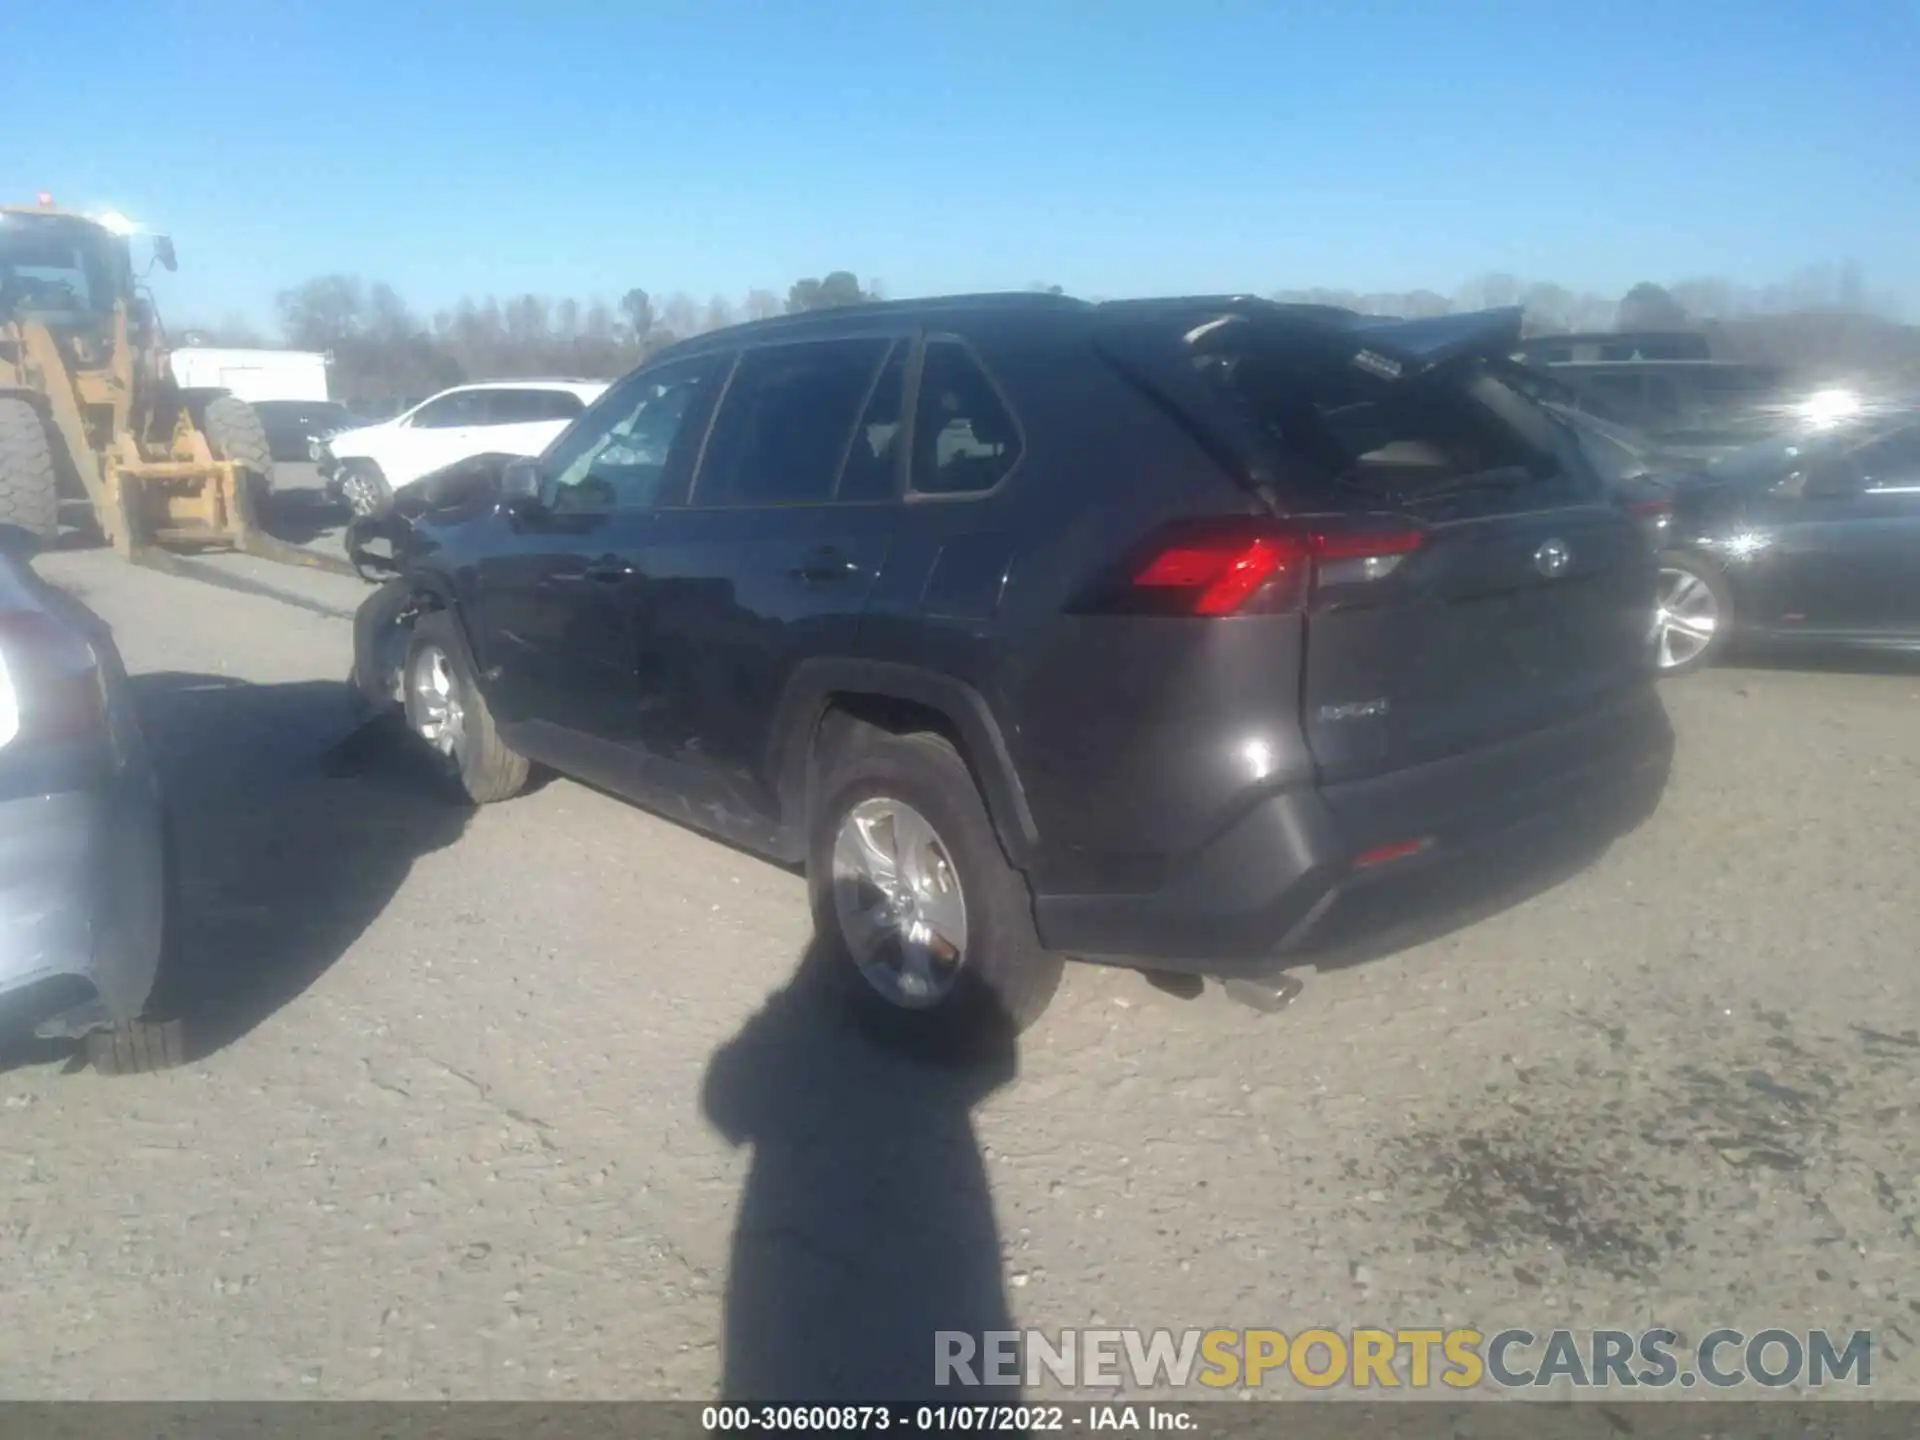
{"points": [[90, 411]]}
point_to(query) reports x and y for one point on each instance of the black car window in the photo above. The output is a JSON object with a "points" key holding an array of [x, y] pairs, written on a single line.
{"points": [[529, 407], [786, 423], [964, 438], [449, 412], [1892, 462], [631, 449], [873, 459]]}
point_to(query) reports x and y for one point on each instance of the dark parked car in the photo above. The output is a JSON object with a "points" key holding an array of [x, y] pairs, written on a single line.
{"points": [[1808, 539], [1192, 635], [83, 864], [293, 425]]}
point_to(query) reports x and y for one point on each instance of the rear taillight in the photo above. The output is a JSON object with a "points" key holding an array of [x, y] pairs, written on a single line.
{"points": [[49, 683], [1655, 516], [1220, 576], [1262, 567]]}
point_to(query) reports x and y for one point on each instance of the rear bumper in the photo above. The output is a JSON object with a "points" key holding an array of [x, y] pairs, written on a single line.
{"points": [[1289, 882], [82, 907]]}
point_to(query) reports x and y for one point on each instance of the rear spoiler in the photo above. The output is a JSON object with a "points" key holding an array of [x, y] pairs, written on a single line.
{"points": [[1156, 344], [1384, 346]]}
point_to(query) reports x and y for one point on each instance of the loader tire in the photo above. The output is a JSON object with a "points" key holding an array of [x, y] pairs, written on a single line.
{"points": [[29, 495], [234, 432]]}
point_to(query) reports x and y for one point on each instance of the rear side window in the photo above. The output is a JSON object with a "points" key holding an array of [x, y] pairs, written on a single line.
{"points": [[786, 423], [964, 438], [451, 412], [529, 407]]}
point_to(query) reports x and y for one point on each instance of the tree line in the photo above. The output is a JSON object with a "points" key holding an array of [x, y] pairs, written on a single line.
{"points": [[1824, 319]]}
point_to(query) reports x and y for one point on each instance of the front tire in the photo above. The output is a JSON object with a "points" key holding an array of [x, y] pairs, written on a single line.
{"points": [[29, 489], [234, 433], [920, 919], [1693, 614], [449, 716]]}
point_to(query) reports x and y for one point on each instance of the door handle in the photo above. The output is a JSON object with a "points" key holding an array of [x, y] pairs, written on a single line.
{"points": [[608, 570], [825, 566]]}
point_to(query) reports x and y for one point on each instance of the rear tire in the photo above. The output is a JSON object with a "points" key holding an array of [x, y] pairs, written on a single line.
{"points": [[1693, 615], [29, 493], [448, 715], [916, 788], [234, 432], [137, 1048]]}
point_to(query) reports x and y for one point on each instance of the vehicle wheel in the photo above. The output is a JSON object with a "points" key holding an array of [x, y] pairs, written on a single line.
{"points": [[137, 1048], [29, 497], [1692, 614], [919, 916], [447, 712], [364, 490], [234, 432]]}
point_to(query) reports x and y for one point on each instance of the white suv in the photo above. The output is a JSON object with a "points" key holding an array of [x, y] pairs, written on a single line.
{"points": [[364, 467]]}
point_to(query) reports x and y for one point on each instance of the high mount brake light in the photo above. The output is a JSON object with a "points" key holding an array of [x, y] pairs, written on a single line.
{"points": [[1219, 573]]}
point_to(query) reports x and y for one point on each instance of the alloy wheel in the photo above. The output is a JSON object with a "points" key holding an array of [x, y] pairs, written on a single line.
{"points": [[439, 718], [899, 902], [1686, 618]]}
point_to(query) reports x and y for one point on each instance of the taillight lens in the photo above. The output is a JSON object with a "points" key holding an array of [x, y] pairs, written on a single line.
{"points": [[1220, 576], [49, 683], [1254, 566]]}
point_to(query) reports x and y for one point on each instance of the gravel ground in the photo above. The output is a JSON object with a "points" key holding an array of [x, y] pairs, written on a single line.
{"points": [[485, 1096]]}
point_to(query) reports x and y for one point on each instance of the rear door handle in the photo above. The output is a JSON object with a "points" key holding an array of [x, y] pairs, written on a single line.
{"points": [[609, 570], [823, 567]]}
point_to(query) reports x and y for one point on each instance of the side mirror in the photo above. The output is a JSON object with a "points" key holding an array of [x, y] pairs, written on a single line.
{"points": [[163, 252], [522, 483]]}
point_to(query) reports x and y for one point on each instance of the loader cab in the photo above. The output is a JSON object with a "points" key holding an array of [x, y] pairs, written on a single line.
{"points": [[64, 271]]}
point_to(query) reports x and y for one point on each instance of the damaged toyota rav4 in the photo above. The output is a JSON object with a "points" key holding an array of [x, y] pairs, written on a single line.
{"points": [[1202, 635]]}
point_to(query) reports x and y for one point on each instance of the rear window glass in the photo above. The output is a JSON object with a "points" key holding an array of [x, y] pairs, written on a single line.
{"points": [[1389, 438]]}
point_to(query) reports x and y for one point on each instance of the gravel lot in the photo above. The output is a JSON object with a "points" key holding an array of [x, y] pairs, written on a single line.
{"points": [[485, 1095]]}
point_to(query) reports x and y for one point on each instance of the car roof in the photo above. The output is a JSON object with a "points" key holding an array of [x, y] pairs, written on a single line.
{"points": [[869, 313], [575, 387]]}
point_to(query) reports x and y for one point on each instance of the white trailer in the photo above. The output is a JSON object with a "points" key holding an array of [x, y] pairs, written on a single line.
{"points": [[253, 375]]}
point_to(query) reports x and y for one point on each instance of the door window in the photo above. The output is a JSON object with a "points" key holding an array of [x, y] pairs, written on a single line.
{"points": [[964, 438], [871, 472], [532, 407], [452, 412], [635, 446], [788, 422], [1891, 464]]}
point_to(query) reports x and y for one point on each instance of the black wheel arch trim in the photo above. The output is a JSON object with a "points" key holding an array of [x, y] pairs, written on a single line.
{"points": [[811, 693]]}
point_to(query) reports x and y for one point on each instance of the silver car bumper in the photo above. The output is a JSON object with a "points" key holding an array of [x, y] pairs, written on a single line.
{"points": [[82, 906]]}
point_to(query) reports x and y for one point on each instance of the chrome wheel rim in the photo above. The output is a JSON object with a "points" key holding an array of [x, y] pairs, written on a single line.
{"points": [[899, 902], [361, 497], [1686, 617], [438, 716]]}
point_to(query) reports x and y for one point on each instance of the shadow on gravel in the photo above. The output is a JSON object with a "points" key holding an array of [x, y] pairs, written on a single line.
{"points": [[301, 517], [289, 840], [867, 1221]]}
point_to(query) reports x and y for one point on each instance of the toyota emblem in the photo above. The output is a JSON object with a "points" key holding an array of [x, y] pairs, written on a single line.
{"points": [[1552, 558]]}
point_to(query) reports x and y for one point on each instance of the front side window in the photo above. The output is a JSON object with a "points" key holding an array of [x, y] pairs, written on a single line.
{"points": [[787, 423], [636, 441], [964, 438]]}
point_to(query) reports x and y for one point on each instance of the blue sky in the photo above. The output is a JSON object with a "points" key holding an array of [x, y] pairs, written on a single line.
{"points": [[1116, 148]]}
